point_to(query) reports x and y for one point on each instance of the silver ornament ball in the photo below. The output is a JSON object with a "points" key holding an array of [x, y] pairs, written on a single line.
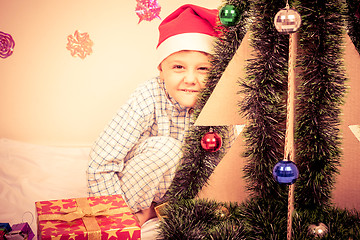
{"points": [[287, 20], [318, 230]]}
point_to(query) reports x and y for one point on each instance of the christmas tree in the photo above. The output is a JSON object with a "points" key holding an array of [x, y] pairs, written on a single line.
{"points": [[321, 90]]}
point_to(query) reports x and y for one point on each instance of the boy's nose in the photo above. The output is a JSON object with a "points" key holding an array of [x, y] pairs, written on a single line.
{"points": [[190, 77]]}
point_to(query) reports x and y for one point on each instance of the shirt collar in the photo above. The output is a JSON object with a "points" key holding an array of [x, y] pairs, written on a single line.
{"points": [[172, 101]]}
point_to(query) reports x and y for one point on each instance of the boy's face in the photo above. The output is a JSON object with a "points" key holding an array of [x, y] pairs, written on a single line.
{"points": [[184, 75]]}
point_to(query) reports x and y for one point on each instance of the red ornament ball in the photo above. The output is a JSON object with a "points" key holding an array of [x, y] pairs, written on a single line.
{"points": [[211, 142]]}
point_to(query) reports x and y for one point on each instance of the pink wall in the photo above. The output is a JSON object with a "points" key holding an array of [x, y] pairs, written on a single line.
{"points": [[49, 97]]}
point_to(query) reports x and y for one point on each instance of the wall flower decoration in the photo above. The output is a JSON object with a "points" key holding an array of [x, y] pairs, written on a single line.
{"points": [[147, 10], [7, 45], [79, 44]]}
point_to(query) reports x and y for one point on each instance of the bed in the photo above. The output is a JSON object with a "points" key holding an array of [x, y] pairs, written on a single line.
{"points": [[30, 173]]}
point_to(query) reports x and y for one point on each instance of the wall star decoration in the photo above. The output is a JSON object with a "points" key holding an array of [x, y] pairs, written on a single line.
{"points": [[79, 44], [7, 45]]}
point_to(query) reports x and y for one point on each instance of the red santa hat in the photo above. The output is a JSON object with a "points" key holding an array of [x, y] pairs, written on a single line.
{"points": [[190, 27]]}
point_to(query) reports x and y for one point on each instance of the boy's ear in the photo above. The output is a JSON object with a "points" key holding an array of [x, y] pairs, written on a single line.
{"points": [[161, 72]]}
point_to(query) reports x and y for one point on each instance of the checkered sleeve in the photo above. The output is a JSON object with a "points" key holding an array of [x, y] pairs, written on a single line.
{"points": [[118, 138]]}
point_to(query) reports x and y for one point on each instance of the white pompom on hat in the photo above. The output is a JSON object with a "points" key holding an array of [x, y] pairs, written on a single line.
{"points": [[190, 27]]}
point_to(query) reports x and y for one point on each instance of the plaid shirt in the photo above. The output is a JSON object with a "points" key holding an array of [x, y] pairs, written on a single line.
{"points": [[150, 111]]}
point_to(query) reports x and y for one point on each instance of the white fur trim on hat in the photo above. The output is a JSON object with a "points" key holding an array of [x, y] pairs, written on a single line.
{"points": [[185, 41]]}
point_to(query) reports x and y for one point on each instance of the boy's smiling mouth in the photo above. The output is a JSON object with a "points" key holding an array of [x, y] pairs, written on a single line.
{"points": [[189, 90]]}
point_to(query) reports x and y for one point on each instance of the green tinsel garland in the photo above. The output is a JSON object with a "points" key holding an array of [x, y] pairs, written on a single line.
{"points": [[265, 100], [209, 220], [321, 93], [353, 27]]}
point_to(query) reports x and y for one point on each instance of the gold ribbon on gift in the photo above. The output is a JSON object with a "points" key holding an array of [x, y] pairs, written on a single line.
{"points": [[87, 214]]}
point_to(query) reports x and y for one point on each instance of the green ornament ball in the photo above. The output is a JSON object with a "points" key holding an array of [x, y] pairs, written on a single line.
{"points": [[229, 15]]}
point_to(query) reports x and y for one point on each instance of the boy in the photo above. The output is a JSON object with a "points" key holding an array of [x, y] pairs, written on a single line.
{"points": [[138, 152]]}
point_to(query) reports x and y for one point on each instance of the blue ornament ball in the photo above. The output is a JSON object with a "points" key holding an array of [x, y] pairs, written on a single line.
{"points": [[285, 172]]}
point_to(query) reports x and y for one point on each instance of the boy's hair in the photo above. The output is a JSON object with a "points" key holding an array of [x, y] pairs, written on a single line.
{"points": [[190, 27]]}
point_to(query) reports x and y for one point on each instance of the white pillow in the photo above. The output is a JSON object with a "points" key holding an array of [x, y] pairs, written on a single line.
{"points": [[30, 173]]}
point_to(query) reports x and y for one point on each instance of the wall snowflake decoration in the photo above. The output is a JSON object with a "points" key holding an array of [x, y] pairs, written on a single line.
{"points": [[147, 10], [79, 44], [7, 45]]}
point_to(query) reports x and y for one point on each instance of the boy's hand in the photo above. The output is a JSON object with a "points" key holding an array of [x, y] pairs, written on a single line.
{"points": [[146, 214]]}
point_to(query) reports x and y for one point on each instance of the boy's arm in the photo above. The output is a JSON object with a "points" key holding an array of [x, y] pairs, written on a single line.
{"points": [[109, 151]]}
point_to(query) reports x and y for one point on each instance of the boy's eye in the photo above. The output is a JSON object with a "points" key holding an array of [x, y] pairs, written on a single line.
{"points": [[206, 69], [178, 67]]}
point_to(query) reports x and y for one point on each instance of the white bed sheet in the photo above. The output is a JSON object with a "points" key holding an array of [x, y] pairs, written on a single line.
{"points": [[30, 173]]}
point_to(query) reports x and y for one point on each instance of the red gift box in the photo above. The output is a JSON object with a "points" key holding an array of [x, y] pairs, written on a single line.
{"points": [[105, 217]]}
